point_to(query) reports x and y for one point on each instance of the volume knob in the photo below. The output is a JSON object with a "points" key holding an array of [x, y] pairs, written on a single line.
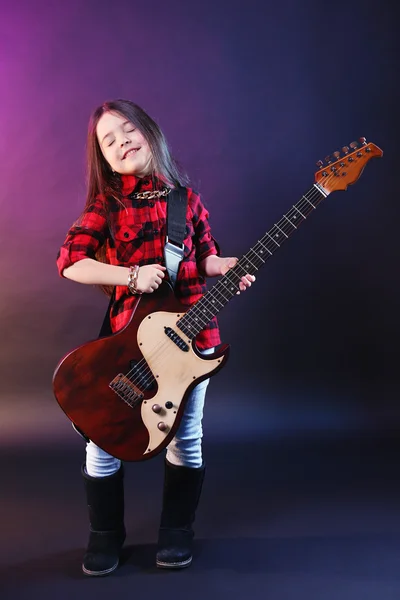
{"points": [[156, 408], [162, 426]]}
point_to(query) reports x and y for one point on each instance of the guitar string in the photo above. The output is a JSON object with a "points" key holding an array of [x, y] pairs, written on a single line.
{"points": [[304, 203]]}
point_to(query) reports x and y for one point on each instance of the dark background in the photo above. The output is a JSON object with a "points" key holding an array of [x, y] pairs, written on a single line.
{"points": [[250, 95]]}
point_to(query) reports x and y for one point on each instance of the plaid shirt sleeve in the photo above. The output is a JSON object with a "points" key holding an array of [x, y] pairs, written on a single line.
{"points": [[84, 239], [205, 244]]}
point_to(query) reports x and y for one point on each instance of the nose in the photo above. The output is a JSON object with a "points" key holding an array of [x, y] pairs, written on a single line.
{"points": [[125, 142]]}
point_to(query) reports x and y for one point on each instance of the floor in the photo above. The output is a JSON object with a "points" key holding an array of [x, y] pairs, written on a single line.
{"points": [[281, 519]]}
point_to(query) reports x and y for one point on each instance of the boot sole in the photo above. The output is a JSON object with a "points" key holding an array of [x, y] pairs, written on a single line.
{"points": [[99, 573], [176, 565]]}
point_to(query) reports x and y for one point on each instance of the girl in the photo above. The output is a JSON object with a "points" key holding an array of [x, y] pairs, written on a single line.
{"points": [[118, 244]]}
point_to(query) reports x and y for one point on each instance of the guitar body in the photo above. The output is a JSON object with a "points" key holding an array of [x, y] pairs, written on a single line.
{"points": [[138, 415]]}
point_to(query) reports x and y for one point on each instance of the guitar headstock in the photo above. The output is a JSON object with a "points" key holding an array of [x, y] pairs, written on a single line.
{"points": [[342, 171]]}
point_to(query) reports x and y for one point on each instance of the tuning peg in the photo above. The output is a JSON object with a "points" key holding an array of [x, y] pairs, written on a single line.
{"points": [[336, 155], [328, 160], [320, 164], [345, 149], [354, 145], [363, 141]]}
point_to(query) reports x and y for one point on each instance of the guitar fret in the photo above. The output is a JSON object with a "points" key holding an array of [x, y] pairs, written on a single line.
{"points": [[257, 255], [199, 312], [267, 249], [203, 310], [229, 290], [245, 266], [220, 283], [197, 317], [292, 224], [299, 211], [305, 198], [286, 236], [212, 303], [273, 240], [216, 300]]}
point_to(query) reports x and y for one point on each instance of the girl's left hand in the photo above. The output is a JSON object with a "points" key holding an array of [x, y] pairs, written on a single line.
{"points": [[228, 263]]}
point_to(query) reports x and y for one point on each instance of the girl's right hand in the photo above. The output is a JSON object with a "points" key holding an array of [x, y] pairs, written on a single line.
{"points": [[150, 278]]}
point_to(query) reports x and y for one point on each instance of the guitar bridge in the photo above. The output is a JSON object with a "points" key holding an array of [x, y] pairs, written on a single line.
{"points": [[126, 389]]}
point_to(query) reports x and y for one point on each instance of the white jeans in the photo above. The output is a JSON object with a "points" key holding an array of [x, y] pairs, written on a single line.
{"points": [[184, 450]]}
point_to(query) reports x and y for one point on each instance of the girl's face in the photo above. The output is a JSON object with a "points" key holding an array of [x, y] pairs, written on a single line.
{"points": [[123, 146]]}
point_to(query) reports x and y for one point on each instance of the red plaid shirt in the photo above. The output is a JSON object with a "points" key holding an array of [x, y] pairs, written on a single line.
{"points": [[139, 236]]}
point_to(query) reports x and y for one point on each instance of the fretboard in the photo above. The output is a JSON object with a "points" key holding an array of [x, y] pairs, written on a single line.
{"points": [[226, 288]]}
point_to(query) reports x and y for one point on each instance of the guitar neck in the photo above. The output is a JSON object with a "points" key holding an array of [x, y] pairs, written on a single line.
{"points": [[226, 288]]}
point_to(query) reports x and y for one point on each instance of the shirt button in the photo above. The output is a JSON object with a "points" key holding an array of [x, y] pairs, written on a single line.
{"points": [[151, 204], [156, 231], [126, 234]]}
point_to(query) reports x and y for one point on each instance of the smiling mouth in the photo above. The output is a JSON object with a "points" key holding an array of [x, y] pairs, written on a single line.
{"points": [[130, 152]]}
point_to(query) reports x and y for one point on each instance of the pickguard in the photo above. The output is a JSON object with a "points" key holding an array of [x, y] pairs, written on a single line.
{"points": [[174, 370]]}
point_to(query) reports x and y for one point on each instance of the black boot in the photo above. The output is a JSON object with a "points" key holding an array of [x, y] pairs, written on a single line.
{"points": [[105, 498], [182, 489]]}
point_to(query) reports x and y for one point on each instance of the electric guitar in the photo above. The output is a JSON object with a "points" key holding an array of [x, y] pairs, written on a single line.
{"points": [[127, 392]]}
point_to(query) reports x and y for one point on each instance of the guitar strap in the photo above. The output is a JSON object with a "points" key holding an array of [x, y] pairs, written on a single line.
{"points": [[176, 231], [106, 326]]}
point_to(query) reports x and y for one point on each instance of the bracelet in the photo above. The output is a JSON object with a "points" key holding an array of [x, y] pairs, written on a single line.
{"points": [[132, 279]]}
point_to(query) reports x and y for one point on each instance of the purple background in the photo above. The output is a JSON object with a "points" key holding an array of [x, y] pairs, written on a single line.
{"points": [[250, 96]]}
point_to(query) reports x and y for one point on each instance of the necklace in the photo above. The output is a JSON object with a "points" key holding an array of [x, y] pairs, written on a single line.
{"points": [[148, 195]]}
